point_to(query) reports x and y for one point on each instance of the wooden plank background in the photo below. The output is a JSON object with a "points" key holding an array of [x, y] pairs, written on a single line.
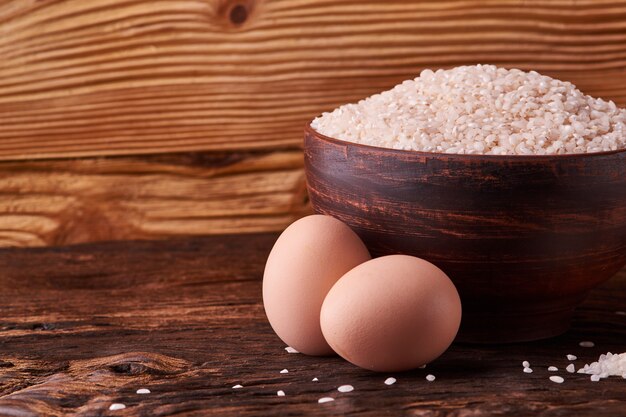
{"points": [[124, 119]]}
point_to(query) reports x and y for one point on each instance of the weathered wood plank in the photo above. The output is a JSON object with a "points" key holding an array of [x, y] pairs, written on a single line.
{"points": [[70, 201], [85, 326], [112, 77]]}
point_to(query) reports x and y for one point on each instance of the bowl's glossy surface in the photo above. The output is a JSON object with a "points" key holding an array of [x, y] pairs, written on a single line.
{"points": [[524, 238]]}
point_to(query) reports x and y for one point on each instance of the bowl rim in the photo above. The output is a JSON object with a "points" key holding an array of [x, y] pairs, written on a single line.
{"points": [[476, 157]]}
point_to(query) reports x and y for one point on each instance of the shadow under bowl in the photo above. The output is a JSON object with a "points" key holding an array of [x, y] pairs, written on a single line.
{"points": [[523, 238]]}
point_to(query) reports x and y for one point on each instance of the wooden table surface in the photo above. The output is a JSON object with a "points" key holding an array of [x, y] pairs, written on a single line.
{"points": [[83, 327]]}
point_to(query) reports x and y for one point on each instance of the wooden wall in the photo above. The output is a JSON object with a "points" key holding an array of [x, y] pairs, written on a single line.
{"points": [[123, 119]]}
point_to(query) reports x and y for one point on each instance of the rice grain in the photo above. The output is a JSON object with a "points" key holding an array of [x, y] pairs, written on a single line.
{"points": [[390, 381], [481, 109], [557, 379]]}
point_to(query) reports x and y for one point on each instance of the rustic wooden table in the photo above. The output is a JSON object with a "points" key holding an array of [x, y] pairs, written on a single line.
{"points": [[83, 327]]}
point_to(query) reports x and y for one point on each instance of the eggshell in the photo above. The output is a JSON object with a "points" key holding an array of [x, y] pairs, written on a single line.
{"points": [[392, 313], [306, 261]]}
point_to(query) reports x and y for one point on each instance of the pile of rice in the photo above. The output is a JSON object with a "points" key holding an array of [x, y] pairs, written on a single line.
{"points": [[608, 365], [481, 109]]}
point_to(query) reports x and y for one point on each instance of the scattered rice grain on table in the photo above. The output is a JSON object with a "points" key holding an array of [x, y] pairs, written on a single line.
{"points": [[557, 379], [430, 377], [143, 391], [325, 400], [345, 388], [481, 109], [390, 381], [117, 406]]}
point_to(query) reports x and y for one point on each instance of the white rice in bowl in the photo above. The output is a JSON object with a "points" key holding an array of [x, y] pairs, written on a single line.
{"points": [[481, 109]]}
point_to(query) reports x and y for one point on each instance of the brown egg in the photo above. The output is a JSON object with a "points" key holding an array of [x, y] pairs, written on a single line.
{"points": [[306, 261], [392, 313]]}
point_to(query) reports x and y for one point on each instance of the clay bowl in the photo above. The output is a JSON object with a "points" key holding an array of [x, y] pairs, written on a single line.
{"points": [[524, 238]]}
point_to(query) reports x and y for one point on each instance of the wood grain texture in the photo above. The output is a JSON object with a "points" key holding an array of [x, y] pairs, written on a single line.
{"points": [[119, 77], [85, 326], [71, 201]]}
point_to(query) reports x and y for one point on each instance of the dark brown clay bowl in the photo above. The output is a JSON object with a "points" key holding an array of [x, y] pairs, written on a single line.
{"points": [[524, 238]]}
